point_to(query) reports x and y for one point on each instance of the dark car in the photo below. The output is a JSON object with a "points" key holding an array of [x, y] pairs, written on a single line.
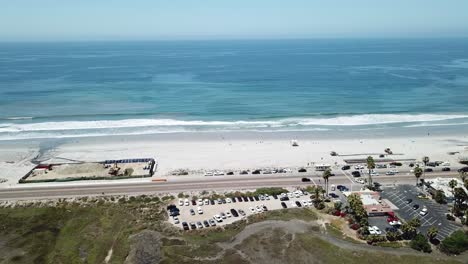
{"points": [[411, 165], [428, 170], [408, 201], [206, 224], [464, 169], [346, 167], [265, 208], [283, 204], [244, 172], [256, 198], [223, 201], [341, 188], [251, 198], [245, 198], [212, 202], [233, 199], [256, 172], [192, 225], [234, 213], [302, 170], [230, 173], [391, 229], [239, 199], [275, 196], [284, 198], [305, 180], [356, 174], [446, 169], [298, 204], [431, 164], [416, 207], [333, 195], [194, 202], [185, 226]]}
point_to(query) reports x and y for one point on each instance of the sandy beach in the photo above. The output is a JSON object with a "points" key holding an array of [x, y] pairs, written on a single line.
{"points": [[227, 151]]}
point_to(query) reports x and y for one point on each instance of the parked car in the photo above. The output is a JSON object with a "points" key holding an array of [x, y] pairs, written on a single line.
{"points": [[305, 180], [464, 169], [241, 212], [346, 167], [283, 204], [298, 204], [199, 225], [218, 218], [428, 170], [302, 170], [192, 225], [199, 210], [256, 172], [252, 210], [446, 169], [360, 180], [228, 214], [212, 222], [334, 195], [416, 207], [212, 202], [176, 220], [230, 173], [423, 212], [192, 212], [206, 224], [251, 198], [185, 226], [284, 198], [243, 172], [356, 174], [408, 201], [234, 213], [223, 215]]}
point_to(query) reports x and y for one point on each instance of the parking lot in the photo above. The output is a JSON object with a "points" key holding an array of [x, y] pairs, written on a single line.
{"points": [[399, 195], [209, 210]]}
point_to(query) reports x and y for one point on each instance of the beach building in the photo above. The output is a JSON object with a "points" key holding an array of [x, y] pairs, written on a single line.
{"points": [[373, 203], [442, 184], [322, 167]]}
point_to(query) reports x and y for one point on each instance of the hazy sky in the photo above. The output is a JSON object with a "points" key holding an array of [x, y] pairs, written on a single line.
{"points": [[198, 19]]}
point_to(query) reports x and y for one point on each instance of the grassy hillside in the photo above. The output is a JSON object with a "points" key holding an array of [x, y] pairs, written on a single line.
{"points": [[94, 231]]}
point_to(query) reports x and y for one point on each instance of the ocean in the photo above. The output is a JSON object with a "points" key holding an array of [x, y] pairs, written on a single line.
{"points": [[82, 89]]}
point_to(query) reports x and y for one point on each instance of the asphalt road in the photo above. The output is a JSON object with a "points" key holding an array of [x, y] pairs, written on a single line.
{"points": [[183, 184]]}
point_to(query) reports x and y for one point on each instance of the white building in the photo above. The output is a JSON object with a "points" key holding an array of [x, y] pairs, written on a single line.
{"points": [[442, 184]]}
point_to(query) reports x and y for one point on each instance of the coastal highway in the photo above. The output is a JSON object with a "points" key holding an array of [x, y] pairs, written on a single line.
{"points": [[184, 184]]}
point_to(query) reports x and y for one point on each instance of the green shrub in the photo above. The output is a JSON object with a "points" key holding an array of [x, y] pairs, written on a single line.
{"points": [[420, 243], [456, 243]]}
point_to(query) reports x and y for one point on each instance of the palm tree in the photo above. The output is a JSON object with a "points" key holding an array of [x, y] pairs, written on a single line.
{"points": [[370, 166], [325, 176], [425, 160], [417, 173], [463, 177], [432, 233], [452, 184]]}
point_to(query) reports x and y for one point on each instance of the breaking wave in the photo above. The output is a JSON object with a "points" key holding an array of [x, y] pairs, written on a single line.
{"points": [[65, 129]]}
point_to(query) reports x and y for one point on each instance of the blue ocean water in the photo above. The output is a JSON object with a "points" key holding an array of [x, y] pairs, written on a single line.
{"points": [[50, 90]]}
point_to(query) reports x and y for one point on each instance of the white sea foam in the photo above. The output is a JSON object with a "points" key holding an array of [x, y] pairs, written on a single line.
{"points": [[169, 124]]}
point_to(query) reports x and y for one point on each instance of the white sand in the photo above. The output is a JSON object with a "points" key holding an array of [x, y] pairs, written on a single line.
{"points": [[211, 152]]}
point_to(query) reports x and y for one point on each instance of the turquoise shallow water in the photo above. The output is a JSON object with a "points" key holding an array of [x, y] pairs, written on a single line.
{"points": [[54, 90]]}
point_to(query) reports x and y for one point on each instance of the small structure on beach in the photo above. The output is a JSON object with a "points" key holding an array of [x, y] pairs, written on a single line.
{"points": [[294, 143], [105, 170]]}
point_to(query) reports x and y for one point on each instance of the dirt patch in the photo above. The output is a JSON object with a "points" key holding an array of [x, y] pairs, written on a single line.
{"points": [[145, 248]]}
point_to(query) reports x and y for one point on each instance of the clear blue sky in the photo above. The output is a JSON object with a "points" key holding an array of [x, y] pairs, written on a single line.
{"points": [[40, 20]]}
